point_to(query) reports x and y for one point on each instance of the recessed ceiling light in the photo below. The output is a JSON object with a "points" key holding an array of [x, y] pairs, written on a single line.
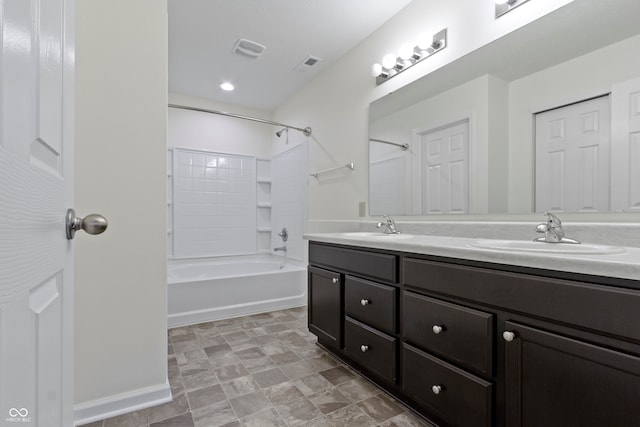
{"points": [[226, 86]]}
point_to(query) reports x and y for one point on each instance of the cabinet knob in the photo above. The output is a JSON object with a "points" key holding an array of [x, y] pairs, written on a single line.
{"points": [[437, 329], [364, 348], [335, 280], [364, 302], [508, 336], [437, 389]]}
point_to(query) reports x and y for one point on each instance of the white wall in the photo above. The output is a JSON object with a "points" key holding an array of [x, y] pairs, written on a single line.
{"points": [[211, 132], [335, 104], [120, 305]]}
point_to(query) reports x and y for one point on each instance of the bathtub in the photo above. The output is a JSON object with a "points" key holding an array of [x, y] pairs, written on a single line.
{"points": [[219, 288]]}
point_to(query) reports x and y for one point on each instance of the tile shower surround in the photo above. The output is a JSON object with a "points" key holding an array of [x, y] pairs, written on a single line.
{"points": [[263, 370], [214, 204]]}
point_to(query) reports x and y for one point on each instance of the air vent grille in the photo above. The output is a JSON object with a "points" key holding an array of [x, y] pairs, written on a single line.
{"points": [[309, 62], [248, 48]]}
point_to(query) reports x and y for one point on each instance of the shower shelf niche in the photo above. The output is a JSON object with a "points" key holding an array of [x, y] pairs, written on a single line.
{"points": [[263, 205]]}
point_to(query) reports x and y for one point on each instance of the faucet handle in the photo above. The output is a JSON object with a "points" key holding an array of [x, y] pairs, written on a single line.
{"points": [[553, 220]]}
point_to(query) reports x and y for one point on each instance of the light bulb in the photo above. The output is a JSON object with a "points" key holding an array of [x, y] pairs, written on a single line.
{"points": [[424, 41], [389, 61], [226, 86], [376, 70], [405, 51]]}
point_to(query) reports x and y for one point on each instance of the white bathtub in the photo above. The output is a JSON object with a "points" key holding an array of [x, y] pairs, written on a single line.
{"points": [[219, 288]]}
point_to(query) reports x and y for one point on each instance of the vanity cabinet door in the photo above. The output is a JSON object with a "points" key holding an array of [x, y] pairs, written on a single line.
{"points": [[552, 380], [325, 297]]}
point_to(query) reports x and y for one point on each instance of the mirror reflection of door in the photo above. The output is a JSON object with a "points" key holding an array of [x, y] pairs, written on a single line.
{"points": [[445, 169], [573, 153]]}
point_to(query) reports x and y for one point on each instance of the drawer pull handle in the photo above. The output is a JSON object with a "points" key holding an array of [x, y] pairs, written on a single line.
{"points": [[508, 336], [437, 389], [335, 280], [437, 329], [364, 348], [364, 302]]}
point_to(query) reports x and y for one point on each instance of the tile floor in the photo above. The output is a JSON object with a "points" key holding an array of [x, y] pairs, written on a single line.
{"points": [[263, 370]]}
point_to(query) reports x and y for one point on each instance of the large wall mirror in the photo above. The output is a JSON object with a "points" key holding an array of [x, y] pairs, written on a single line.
{"points": [[546, 118]]}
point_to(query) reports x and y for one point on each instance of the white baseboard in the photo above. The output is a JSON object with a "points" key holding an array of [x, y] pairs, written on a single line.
{"points": [[113, 406]]}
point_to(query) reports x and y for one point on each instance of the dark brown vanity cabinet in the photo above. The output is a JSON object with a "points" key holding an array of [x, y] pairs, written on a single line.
{"points": [[475, 344], [368, 306]]}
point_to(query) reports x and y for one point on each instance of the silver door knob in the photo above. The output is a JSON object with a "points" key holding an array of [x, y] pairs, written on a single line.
{"points": [[92, 224], [508, 336], [335, 280], [364, 302], [436, 389], [437, 329], [364, 348]]}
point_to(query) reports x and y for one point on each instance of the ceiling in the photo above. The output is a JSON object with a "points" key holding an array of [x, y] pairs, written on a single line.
{"points": [[202, 34]]}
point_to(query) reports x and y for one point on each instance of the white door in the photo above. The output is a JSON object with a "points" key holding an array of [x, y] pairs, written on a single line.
{"points": [[36, 187], [625, 146], [573, 157], [445, 170]]}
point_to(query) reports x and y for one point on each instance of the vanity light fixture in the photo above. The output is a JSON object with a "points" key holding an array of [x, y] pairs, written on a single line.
{"points": [[504, 6], [227, 87], [408, 55]]}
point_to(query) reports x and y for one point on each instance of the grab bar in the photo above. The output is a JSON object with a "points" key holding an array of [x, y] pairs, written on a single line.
{"points": [[348, 166]]}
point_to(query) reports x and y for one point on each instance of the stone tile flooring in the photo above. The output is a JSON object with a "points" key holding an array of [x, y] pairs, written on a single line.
{"points": [[263, 370]]}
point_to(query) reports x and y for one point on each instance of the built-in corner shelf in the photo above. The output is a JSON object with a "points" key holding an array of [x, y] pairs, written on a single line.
{"points": [[263, 205]]}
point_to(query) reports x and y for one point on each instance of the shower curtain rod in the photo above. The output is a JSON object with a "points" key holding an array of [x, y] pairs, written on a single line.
{"points": [[306, 131], [403, 146]]}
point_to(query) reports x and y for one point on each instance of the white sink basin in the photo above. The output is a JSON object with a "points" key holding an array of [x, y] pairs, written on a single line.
{"points": [[543, 247], [374, 235]]}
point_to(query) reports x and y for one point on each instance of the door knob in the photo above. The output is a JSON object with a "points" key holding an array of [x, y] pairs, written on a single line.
{"points": [[92, 224]]}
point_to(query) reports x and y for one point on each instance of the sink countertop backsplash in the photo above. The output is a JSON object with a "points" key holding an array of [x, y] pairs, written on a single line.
{"points": [[613, 234]]}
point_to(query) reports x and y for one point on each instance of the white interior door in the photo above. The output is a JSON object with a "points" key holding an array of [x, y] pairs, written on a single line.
{"points": [[625, 146], [573, 157], [445, 169], [36, 187]]}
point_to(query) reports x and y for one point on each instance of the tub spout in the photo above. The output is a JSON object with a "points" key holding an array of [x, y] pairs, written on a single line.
{"points": [[281, 248]]}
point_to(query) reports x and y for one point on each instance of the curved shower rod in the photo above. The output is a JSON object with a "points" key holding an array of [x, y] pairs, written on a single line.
{"points": [[306, 131]]}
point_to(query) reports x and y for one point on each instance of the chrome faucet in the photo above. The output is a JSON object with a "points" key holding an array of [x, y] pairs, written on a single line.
{"points": [[553, 231], [390, 225], [281, 248]]}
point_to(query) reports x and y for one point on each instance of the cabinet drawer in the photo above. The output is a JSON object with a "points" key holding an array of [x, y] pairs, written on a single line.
{"points": [[372, 303], [372, 349], [587, 305], [363, 263], [454, 396], [455, 332]]}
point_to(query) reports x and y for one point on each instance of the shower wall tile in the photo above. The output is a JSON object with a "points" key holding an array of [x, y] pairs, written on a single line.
{"points": [[214, 204], [289, 199]]}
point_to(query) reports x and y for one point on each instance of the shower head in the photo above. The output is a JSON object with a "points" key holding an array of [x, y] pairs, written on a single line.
{"points": [[279, 133]]}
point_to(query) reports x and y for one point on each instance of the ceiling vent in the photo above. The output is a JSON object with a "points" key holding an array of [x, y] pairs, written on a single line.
{"points": [[309, 62], [248, 48]]}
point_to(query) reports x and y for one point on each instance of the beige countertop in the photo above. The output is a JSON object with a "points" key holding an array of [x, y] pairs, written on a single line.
{"points": [[625, 263]]}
